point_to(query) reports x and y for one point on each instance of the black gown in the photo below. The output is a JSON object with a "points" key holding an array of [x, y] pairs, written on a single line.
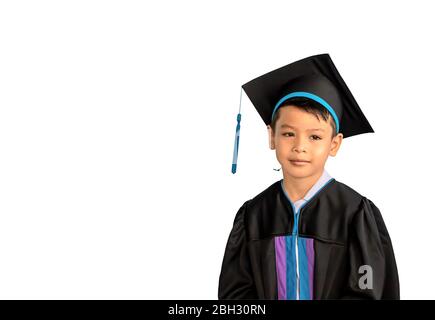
{"points": [[338, 248]]}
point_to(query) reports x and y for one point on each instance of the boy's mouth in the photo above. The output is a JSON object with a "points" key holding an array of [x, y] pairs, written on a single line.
{"points": [[299, 162]]}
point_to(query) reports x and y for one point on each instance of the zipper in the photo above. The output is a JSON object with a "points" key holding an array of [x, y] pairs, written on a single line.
{"points": [[295, 234]]}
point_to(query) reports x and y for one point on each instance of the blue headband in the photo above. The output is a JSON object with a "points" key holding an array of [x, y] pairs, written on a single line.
{"points": [[310, 96]]}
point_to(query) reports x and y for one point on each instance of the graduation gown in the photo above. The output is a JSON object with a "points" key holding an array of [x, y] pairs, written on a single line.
{"points": [[336, 246]]}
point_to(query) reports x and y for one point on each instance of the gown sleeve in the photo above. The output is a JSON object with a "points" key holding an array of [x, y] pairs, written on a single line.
{"points": [[236, 278], [370, 245]]}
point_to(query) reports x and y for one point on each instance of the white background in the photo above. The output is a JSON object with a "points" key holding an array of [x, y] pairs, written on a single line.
{"points": [[117, 121]]}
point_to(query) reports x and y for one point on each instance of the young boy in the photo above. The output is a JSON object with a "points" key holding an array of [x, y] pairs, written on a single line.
{"points": [[307, 236]]}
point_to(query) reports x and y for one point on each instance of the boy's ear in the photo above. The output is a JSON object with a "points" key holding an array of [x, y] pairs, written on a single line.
{"points": [[335, 144], [271, 137]]}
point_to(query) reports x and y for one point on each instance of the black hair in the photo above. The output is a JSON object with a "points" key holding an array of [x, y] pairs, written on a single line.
{"points": [[309, 106]]}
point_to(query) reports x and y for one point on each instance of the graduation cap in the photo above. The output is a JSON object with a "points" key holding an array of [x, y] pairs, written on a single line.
{"points": [[315, 78]]}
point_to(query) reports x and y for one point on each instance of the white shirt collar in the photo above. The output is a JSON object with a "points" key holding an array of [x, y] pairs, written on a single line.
{"points": [[324, 178]]}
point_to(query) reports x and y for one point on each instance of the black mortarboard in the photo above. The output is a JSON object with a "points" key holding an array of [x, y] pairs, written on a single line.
{"points": [[314, 77]]}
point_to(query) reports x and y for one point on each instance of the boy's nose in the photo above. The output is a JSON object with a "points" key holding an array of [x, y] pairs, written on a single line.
{"points": [[299, 149], [299, 145]]}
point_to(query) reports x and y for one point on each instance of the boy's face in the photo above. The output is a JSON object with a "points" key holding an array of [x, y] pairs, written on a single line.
{"points": [[300, 135]]}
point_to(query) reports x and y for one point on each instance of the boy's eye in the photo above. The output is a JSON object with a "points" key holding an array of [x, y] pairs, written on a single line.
{"points": [[288, 134]]}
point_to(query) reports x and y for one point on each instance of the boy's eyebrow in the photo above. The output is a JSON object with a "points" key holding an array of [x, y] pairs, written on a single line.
{"points": [[289, 126]]}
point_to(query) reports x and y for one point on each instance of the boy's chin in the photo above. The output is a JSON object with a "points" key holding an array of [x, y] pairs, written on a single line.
{"points": [[301, 172]]}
